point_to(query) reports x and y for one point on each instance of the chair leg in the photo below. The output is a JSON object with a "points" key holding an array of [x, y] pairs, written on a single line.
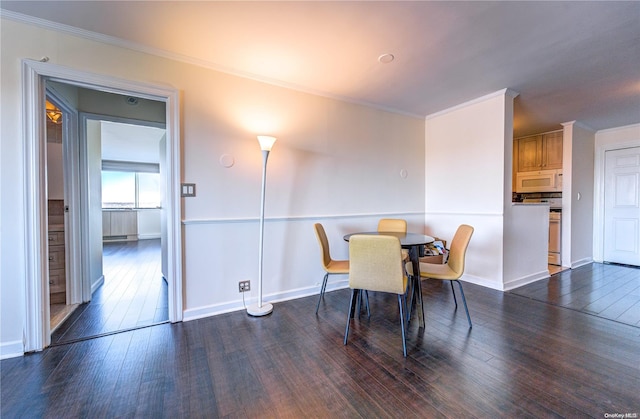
{"points": [[410, 294], [464, 300], [366, 299], [322, 290], [354, 296], [401, 303], [420, 300], [454, 294]]}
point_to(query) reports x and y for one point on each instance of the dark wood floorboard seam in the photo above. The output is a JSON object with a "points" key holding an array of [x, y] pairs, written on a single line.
{"points": [[523, 357]]}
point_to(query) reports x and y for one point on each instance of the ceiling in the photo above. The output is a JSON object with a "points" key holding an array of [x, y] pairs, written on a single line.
{"points": [[131, 143], [567, 60]]}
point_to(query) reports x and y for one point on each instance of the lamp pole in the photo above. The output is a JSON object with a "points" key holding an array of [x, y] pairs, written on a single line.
{"points": [[261, 309]]}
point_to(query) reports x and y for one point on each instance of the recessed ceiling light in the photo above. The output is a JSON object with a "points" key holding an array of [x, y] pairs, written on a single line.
{"points": [[386, 58]]}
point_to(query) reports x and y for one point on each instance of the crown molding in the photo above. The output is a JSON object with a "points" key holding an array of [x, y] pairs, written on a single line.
{"points": [[510, 93], [577, 124], [134, 46]]}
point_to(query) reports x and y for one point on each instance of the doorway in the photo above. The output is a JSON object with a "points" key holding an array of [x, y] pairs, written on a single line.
{"points": [[622, 206], [60, 304], [128, 288], [84, 227]]}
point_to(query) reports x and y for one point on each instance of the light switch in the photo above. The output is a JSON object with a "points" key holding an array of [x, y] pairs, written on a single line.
{"points": [[188, 190]]}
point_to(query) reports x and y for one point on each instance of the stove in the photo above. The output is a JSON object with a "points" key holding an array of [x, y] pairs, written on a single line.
{"points": [[554, 203]]}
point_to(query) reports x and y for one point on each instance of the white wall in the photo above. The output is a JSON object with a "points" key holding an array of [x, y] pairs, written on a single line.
{"points": [[526, 238], [55, 176], [469, 153], [334, 162], [577, 195], [627, 136], [148, 223], [94, 163], [464, 159]]}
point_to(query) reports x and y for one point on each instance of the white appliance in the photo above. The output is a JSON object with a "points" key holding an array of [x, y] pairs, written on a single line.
{"points": [[555, 238], [555, 227], [539, 181]]}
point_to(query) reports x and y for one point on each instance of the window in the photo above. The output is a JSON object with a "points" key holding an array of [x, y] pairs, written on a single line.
{"points": [[130, 187], [148, 190], [118, 189]]}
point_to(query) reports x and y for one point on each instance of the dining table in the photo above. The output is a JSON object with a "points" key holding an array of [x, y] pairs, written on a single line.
{"points": [[412, 242]]}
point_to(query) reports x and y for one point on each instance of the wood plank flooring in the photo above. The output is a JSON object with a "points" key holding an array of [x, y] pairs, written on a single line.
{"points": [[523, 358], [133, 294], [608, 291]]}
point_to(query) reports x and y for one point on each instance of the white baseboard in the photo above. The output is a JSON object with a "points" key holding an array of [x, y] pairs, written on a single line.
{"points": [[215, 309], [518, 282], [97, 284], [11, 349], [148, 236], [581, 262], [481, 281]]}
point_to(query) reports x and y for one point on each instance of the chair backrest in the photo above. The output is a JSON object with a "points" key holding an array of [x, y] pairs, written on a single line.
{"points": [[325, 254], [458, 248], [376, 264], [394, 225]]}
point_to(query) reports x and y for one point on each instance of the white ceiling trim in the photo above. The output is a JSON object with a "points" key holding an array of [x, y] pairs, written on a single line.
{"points": [[134, 46], [502, 92], [578, 124]]}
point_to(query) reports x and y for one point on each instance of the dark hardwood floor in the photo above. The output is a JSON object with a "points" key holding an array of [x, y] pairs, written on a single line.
{"points": [[133, 294], [523, 358], [608, 291]]}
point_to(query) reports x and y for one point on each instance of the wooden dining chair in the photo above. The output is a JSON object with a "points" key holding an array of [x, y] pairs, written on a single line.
{"points": [[376, 264], [330, 266], [454, 268]]}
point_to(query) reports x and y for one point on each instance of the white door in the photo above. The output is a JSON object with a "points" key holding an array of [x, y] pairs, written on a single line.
{"points": [[622, 206]]}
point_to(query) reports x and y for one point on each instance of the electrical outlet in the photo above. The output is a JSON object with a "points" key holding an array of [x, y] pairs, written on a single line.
{"points": [[244, 286]]}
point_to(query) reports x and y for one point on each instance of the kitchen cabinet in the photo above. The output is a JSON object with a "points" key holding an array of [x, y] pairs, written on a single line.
{"points": [[539, 152], [119, 225], [57, 272]]}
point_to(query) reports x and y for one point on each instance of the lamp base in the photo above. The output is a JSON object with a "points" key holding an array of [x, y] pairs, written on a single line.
{"points": [[254, 310]]}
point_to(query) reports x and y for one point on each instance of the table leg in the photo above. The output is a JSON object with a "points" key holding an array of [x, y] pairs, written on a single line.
{"points": [[417, 283]]}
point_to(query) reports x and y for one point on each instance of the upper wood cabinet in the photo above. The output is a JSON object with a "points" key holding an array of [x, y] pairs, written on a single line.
{"points": [[539, 152]]}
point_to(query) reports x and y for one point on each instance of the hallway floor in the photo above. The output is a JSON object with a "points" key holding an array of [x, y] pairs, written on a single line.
{"points": [[133, 294]]}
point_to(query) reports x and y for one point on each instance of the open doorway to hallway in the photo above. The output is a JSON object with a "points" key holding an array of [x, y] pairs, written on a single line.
{"points": [[85, 231], [120, 159]]}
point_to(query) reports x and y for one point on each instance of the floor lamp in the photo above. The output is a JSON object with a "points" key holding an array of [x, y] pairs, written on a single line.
{"points": [[261, 309]]}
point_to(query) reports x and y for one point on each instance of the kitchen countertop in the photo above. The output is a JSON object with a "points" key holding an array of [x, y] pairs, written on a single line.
{"points": [[529, 203]]}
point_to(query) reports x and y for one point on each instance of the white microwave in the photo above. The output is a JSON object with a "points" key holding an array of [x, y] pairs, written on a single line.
{"points": [[539, 181]]}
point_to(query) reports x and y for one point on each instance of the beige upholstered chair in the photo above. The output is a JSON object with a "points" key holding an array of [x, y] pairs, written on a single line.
{"points": [[329, 265], [454, 268], [376, 265], [394, 225]]}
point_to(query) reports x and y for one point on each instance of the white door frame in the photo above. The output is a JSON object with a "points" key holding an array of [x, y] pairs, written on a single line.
{"points": [[598, 216], [35, 74], [71, 197]]}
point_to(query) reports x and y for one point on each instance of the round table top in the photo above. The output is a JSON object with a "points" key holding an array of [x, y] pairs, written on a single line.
{"points": [[406, 239]]}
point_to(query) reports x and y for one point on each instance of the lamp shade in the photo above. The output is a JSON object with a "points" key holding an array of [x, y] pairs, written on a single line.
{"points": [[266, 142]]}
